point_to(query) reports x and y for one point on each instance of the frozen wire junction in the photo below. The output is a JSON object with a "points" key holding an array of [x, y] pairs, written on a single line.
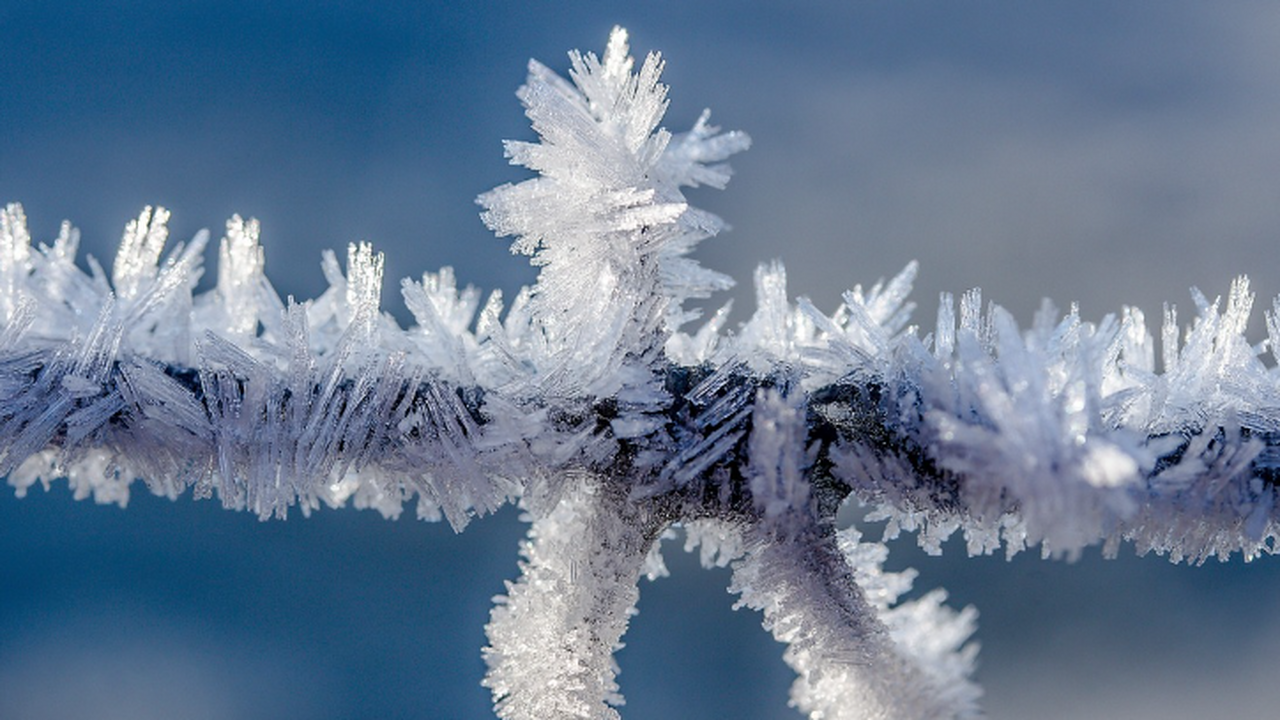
{"points": [[612, 413]]}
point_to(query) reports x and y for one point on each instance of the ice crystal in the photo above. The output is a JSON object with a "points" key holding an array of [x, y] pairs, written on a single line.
{"points": [[586, 401]]}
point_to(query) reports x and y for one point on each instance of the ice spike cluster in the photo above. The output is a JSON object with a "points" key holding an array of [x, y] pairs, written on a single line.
{"points": [[586, 401]]}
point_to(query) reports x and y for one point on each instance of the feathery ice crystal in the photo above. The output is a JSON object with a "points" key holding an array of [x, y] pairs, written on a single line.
{"points": [[586, 401]]}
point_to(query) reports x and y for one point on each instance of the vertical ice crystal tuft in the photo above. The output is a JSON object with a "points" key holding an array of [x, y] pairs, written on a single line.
{"points": [[241, 282], [139, 255], [15, 259], [605, 218], [350, 308], [444, 315]]}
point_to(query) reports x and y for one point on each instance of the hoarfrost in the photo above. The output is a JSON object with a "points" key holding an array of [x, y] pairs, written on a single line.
{"points": [[586, 401]]}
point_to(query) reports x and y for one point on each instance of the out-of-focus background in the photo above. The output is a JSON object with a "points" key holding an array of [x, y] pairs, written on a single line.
{"points": [[1080, 151]]}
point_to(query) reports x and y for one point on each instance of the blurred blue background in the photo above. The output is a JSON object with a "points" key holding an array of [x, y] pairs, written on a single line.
{"points": [[1076, 150]]}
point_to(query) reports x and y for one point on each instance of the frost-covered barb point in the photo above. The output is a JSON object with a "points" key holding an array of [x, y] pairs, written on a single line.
{"points": [[553, 635], [588, 403], [605, 218], [858, 653]]}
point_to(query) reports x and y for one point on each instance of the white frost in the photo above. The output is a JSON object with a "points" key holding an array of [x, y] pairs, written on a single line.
{"points": [[586, 401]]}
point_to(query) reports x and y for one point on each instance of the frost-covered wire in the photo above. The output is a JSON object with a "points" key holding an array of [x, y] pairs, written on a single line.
{"points": [[586, 400]]}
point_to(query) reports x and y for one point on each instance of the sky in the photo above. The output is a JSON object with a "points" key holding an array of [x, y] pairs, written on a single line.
{"points": [[1100, 153]]}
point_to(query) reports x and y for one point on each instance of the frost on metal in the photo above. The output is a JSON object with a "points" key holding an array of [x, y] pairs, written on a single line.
{"points": [[596, 401]]}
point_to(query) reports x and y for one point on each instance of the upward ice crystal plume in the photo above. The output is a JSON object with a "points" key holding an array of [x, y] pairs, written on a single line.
{"points": [[587, 403]]}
